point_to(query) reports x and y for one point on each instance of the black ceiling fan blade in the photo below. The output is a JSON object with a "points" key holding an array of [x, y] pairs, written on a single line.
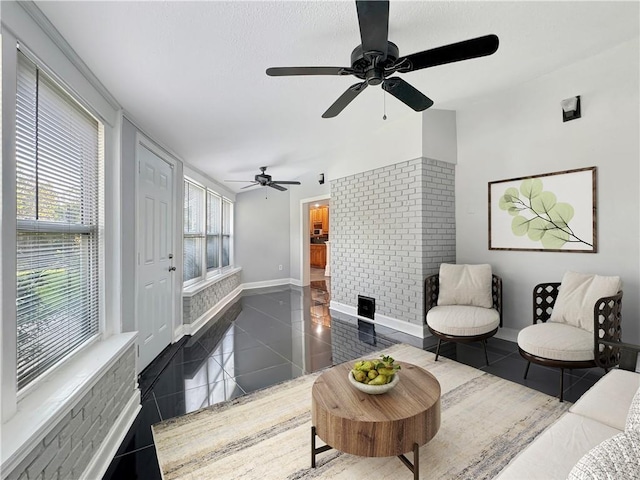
{"points": [[345, 99], [253, 184], [285, 182], [455, 52], [407, 94], [373, 17], [276, 186], [290, 71]]}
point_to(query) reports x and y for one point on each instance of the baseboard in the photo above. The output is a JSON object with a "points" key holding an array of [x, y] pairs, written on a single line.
{"points": [[101, 460], [419, 331], [296, 282], [267, 283], [201, 321]]}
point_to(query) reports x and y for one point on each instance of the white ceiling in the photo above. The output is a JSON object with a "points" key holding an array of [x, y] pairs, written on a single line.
{"points": [[192, 74]]}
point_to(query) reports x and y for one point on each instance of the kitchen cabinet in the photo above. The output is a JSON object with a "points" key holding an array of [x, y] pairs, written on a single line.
{"points": [[318, 255], [325, 219], [319, 218]]}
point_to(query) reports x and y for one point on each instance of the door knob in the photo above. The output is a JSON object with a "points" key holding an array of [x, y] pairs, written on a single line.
{"points": [[172, 269]]}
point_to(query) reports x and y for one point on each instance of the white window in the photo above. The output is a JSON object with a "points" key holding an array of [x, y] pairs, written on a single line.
{"points": [[193, 241], [59, 164], [214, 230], [227, 217], [207, 243]]}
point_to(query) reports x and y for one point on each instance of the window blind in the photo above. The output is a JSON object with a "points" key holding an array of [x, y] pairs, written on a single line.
{"points": [[58, 150], [226, 232], [214, 214], [193, 235]]}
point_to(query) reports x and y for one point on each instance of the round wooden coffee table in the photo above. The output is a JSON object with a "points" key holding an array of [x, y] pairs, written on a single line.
{"points": [[390, 424]]}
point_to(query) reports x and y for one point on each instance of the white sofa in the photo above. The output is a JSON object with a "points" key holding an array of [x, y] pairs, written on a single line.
{"points": [[597, 416]]}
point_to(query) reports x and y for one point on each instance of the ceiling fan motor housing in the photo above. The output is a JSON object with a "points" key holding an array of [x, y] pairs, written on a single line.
{"points": [[369, 66], [262, 178]]}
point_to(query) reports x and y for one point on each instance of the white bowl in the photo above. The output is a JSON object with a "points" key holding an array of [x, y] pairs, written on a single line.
{"points": [[374, 389]]}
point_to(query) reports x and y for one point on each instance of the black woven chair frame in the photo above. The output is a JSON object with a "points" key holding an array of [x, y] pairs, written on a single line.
{"points": [[607, 317], [431, 291], [607, 332]]}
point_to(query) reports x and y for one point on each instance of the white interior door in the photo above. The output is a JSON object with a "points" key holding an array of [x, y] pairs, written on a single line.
{"points": [[155, 270]]}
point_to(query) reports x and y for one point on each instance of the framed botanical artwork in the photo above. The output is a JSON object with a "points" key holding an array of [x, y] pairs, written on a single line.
{"points": [[552, 212]]}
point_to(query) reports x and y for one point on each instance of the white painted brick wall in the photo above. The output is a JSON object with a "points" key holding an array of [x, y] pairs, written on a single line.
{"points": [[390, 227], [193, 307], [67, 449]]}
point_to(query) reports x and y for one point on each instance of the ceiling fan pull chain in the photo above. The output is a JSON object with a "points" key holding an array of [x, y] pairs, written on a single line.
{"points": [[384, 104]]}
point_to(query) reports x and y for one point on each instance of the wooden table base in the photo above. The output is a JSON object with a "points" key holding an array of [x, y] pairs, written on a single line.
{"points": [[414, 467]]}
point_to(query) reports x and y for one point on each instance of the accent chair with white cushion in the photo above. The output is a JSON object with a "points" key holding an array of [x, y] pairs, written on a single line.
{"points": [[463, 303], [569, 320]]}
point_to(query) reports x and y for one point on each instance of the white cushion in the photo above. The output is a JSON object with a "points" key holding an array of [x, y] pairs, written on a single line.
{"points": [[615, 458], [557, 341], [555, 451], [596, 403], [633, 419], [577, 296], [465, 285], [463, 320]]}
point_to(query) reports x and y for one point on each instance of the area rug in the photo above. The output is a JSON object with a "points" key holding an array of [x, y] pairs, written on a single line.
{"points": [[485, 422]]}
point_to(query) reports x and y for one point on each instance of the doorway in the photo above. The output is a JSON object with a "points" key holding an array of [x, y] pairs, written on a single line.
{"points": [[155, 269], [316, 258], [307, 232]]}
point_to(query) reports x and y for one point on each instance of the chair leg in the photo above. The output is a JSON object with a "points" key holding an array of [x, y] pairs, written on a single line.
{"points": [[486, 357], [526, 371], [562, 384], [438, 348]]}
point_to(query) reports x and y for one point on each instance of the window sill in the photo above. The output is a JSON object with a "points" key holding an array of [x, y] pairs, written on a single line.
{"points": [[191, 290], [47, 403]]}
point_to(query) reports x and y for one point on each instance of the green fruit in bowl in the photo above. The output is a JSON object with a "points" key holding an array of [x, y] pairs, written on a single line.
{"points": [[375, 372], [359, 375], [379, 380]]}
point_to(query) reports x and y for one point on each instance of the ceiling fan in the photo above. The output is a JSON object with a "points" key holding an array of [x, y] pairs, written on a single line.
{"points": [[376, 59], [264, 180]]}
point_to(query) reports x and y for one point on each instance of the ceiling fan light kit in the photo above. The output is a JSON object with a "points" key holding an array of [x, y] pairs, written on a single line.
{"points": [[376, 59]]}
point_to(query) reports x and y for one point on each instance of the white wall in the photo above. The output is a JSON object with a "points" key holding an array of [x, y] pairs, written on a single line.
{"points": [[396, 140], [520, 132], [262, 234], [439, 135]]}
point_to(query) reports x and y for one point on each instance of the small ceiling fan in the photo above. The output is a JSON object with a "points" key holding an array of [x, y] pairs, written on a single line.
{"points": [[264, 180], [376, 59]]}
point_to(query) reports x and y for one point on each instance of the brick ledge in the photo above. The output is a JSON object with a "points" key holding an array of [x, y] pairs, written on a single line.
{"points": [[47, 403]]}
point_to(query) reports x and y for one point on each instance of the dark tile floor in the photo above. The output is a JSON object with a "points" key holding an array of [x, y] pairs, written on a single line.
{"points": [[271, 335]]}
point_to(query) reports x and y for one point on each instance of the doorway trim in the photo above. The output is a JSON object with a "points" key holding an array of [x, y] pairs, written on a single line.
{"points": [[305, 269], [176, 303]]}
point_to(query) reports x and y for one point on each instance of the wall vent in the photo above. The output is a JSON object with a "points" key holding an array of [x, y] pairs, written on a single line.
{"points": [[366, 307]]}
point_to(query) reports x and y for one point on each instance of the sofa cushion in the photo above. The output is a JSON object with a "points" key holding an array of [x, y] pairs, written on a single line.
{"points": [[577, 296], [465, 285], [596, 402], [616, 457], [633, 419], [557, 341], [463, 320], [555, 451]]}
